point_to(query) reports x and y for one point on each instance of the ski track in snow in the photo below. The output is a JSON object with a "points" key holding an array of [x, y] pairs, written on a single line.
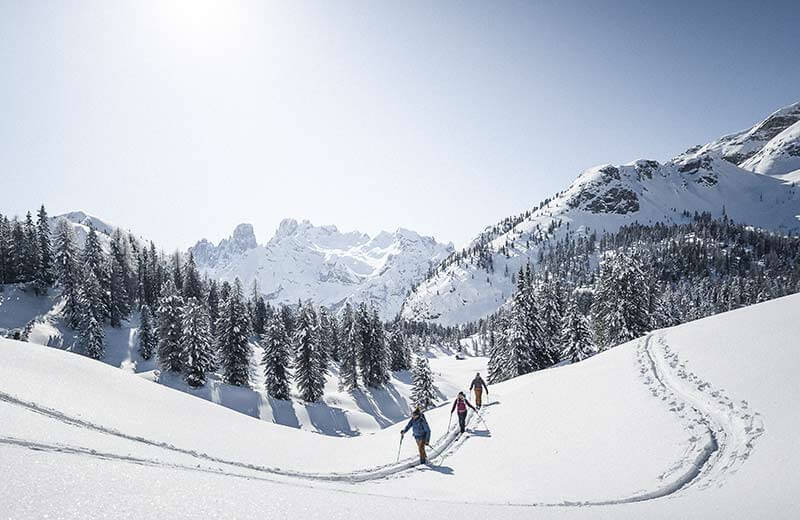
{"points": [[722, 437]]}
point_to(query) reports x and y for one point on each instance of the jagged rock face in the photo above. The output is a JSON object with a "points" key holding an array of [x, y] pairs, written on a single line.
{"points": [[302, 261], [604, 198], [741, 146]]}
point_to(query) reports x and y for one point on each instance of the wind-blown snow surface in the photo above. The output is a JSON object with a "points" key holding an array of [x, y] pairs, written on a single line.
{"points": [[303, 261], [698, 421], [711, 178]]}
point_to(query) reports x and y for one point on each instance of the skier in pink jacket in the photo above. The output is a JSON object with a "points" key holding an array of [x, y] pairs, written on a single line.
{"points": [[460, 405]]}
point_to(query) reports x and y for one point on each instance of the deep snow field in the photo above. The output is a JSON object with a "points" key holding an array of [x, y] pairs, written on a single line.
{"points": [[697, 421]]}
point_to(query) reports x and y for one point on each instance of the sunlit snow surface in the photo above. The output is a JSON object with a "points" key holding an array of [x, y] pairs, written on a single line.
{"points": [[703, 416]]}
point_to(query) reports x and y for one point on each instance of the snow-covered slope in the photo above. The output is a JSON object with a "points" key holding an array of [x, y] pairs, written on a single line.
{"points": [[302, 261], [781, 155], [698, 421], [603, 198]]}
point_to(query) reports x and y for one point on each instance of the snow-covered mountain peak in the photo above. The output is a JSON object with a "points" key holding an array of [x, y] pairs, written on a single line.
{"points": [[756, 190], [83, 219], [243, 237], [304, 261], [741, 146]]}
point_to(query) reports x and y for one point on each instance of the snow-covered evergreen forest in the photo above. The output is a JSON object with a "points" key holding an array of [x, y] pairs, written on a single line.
{"points": [[589, 293]]}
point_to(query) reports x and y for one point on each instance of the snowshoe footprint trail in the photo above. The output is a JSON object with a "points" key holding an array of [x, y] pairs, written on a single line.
{"points": [[723, 432], [721, 436]]}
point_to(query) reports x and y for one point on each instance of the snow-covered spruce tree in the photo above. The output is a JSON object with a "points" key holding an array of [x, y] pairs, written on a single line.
{"points": [[5, 250], [177, 271], [309, 369], [212, 302], [196, 342], [325, 333], [192, 286], [18, 252], [92, 337], [423, 393], [622, 301], [44, 271], [277, 356], [288, 317], [31, 247], [381, 373], [118, 293], [148, 343], [170, 328], [94, 260], [349, 350], [517, 358], [259, 315], [66, 263], [91, 334], [575, 335], [399, 351], [373, 356], [550, 315], [233, 346]]}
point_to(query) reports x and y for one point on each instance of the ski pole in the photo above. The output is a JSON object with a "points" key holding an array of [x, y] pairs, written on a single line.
{"points": [[449, 421], [481, 419], [399, 447]]}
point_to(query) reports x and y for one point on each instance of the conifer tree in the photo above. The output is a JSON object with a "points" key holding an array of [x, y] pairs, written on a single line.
{"points": [[622, 301], [576, 335], [44, 270], [67, 272], [233, 346], [94, 260], [259, 315], [31, 248], [325, 335], [196, 343], [170, 328], [277, 357], [91, 334], [5, 251], [213, 304], [18, 253], [349, 350], [423, 393], [118, 293], [192, 286], [177, 272], [309, 369], [148, 342], [400, 354]]}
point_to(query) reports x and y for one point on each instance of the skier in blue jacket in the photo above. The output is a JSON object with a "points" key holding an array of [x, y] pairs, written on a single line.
{"points": [[421, 431]]}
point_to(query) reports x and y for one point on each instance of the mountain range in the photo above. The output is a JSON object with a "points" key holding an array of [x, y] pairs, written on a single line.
{"points": [[750, 176]]}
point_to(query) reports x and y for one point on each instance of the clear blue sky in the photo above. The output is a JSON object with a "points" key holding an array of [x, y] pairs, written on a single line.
{"points": [[181, 119]]}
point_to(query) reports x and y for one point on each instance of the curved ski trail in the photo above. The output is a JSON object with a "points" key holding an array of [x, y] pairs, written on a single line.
{"points": [[722, 436]]}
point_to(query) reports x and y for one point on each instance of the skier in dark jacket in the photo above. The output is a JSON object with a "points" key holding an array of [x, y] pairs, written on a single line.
{"points": [[460, 405], [422, 432], [478, 386]]}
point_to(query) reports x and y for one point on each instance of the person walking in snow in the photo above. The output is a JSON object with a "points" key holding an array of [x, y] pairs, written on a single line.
{"points": [[422, 432], [478, 386], [460, 405]]}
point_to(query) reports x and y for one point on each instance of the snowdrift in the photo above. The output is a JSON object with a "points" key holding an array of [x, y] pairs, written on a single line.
{"points": [[698, 421]]}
